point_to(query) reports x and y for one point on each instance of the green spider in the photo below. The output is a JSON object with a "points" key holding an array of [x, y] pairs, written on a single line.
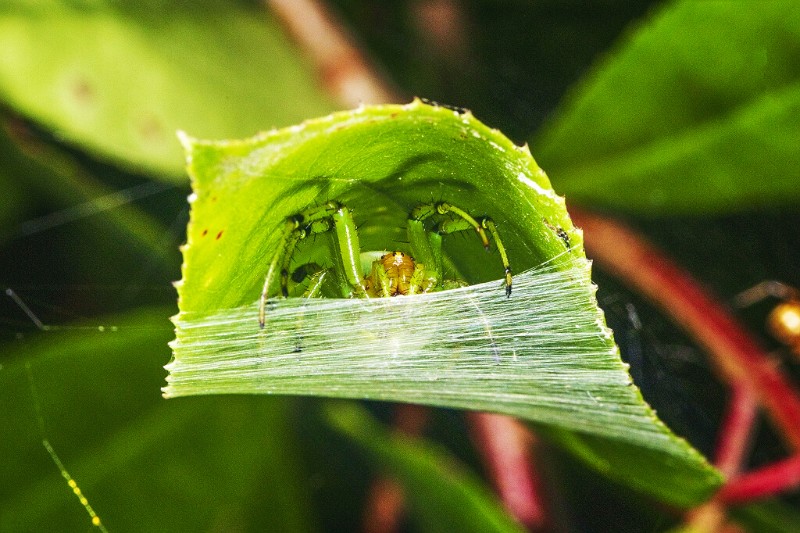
{"points": [[391, 273]]}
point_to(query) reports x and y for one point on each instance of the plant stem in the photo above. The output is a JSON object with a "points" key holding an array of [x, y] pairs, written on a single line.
{"points": [[737, 357], [737, 428], [385, 502], [345, 71], [767, 481], [506, 448], [732, 446]]}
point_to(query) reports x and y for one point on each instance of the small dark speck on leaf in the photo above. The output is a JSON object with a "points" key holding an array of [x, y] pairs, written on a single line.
{"points": [[564, 236], [150, 129], [219, 235], [82, 91], [205, 232]]}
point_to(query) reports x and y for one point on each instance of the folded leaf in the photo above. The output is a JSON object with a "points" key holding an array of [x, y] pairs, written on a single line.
{"points": [[542, 354]]}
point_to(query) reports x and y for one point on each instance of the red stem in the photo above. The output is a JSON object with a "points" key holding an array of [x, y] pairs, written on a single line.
{"points": [[732, 446], [736, 430], [506, 448], [767, 481], [385, 502], [736, 355], [345, 71]]}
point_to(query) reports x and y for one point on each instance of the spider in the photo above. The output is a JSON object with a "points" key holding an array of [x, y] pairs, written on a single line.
{"points": [[393, 273], [783, 321]]}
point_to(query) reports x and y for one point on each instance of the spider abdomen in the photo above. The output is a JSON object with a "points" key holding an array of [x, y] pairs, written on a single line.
{"points": [[399, 268]]}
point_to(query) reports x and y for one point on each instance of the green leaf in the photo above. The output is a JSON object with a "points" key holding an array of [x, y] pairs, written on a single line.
{"points": [[443, 496], [56, 176], [13, 202], [543, 354], [120, 78], [143, 464], [768, 516], [696, 112]]}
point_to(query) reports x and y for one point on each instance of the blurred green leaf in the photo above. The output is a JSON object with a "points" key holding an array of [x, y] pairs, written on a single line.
{"points": [[547, 356], [56, 176], [443, 496], [770, 516], [119, 78], [13, 202], [696, 112], [646, 469], [144, 464]]}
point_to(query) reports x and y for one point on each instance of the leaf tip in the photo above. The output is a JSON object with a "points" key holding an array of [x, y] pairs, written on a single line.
{"points": [[185, 139]]}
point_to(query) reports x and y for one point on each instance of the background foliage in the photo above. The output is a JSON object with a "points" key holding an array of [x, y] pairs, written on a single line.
{"points": [[92, 205]]}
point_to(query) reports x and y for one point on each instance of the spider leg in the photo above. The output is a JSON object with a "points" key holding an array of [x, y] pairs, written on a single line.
{"points": [[764, 290], [349, 249], [783, 321], [315, 283], [296, 228], [489, 224], [418, 283], [316, 280], [292, 226], [426, 248], [304, 271], [379, 283], [464, 221]]}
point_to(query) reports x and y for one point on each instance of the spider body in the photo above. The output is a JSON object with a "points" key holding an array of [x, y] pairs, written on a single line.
{"points": [[394, 273], [783, 321], [784, 324]]}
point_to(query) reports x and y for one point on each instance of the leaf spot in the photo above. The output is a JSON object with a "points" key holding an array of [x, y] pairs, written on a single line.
{"points": [[82, 91], [150, 129]]}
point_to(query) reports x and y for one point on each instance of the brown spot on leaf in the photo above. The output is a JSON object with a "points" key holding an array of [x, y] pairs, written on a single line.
{"points": [[219, 235], [82, 91], [150, 129]]}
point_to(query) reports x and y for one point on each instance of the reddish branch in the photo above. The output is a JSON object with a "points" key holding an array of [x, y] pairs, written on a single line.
{"points": [[736, 431], [345, 71], [385, 503], [506, 448], [737, 357], [732, 447], [764, 482], [384, 508], [739, 360]]}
